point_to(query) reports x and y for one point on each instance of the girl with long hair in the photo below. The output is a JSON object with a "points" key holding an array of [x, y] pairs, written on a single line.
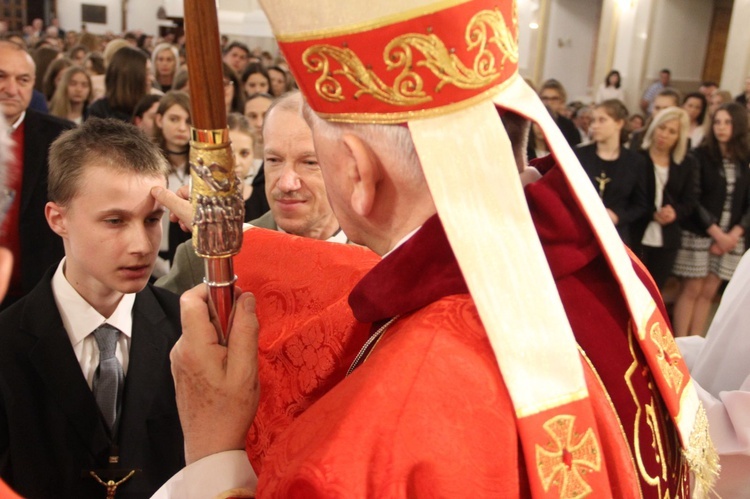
{"points": [[618, 174], [696, 105], [172, 134], [610, 89], [714, 239], [53, 76], [72, 96], [126, 81]]}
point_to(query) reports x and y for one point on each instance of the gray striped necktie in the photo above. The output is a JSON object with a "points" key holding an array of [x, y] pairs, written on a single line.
{"points": [[109, 377]]}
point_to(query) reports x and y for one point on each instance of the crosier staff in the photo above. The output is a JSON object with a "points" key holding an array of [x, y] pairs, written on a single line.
{"points": [[218, 208]]}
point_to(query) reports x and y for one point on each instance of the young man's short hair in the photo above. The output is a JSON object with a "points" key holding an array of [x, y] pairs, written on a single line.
{"points": [[109, 142]]}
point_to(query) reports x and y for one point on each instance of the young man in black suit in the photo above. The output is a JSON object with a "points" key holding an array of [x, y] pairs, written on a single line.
{"points": [[86, 393]]}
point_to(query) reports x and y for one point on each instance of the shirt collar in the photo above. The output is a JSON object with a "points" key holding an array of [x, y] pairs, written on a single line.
{"points": [[18, 122], [81, 319]]}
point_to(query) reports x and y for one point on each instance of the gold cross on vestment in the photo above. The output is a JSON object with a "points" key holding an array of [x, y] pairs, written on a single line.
{"points": [[602, 180], [566, 460]]}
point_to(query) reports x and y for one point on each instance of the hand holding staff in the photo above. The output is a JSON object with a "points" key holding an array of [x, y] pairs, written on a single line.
{"points": [[218, 208]]}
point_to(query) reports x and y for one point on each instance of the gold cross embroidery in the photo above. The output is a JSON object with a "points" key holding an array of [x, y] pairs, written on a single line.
{"points": [[567, 458], [667, 356], [602, 180]]}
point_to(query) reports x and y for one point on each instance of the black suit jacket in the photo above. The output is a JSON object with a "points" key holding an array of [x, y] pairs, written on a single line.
{"points": [[681, 192], [40, 247], [50, 426], [713, 192], [626, 193]]}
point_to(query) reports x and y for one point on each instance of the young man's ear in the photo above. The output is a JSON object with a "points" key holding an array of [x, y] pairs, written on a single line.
{"points": [[158, 120], [364, 172], [55, 215]]}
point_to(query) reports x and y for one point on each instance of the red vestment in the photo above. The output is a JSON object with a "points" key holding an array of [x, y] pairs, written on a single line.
{"points": [[427, 414]]}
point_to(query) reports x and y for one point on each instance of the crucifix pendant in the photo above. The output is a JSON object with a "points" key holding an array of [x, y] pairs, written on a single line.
{"points": [[602, 180], [111, 485]]}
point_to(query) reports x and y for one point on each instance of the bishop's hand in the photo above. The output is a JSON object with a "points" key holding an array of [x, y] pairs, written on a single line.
{"points": [[216, 386]]}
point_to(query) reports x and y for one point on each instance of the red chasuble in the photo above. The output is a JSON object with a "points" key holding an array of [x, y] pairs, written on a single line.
{"points": [[427, 413], [6, 493]]}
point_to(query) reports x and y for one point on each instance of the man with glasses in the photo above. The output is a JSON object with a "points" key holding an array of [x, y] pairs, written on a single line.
{"points": [[553, 96]]}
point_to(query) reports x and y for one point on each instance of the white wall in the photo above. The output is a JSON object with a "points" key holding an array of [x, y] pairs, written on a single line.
{"points": [[737, 57], [571, 44], [69, 12], [678, 40]]}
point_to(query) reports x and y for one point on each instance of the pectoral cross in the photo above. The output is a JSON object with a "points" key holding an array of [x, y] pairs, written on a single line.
{"points": [[111, 485], [602, 180], [111, 477]]}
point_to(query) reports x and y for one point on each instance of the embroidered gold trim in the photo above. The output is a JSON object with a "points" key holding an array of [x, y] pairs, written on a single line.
{"points": [[614, 411], [408, 87], [567, 458], [371, 24], [702, 457], [404, 116], [667, 356]]}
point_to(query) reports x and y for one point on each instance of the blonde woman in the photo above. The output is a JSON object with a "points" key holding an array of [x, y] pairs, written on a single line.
{"points": [[670, 190], [165, 62]]}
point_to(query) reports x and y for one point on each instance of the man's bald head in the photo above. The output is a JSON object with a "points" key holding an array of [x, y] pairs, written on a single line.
{"points": [[16, 80]]}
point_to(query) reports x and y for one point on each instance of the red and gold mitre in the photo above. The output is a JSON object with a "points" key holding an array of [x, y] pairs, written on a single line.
{"points": [[444, 68]]}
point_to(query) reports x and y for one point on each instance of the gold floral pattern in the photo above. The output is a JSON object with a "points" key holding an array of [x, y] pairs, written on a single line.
{"points": [[487, 27], [667, 355], [567, 458]]}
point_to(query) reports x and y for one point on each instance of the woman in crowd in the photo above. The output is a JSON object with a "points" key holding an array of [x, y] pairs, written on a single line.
{"points": [[43, 57], [610, 89], [718, 98], [241, 135], [696, 105], [165, 62], [234, 97], [53, 76], [670, 189], [618, 174], [255, 80], [172, 133], [714, 240], [126, 82], [279, 81], [73, 95], [256, 107], [78, 54]]}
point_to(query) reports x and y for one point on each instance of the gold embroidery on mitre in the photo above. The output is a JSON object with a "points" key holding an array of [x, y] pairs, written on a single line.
{"points": [[668, 356], [408, 87], [567, 458]]}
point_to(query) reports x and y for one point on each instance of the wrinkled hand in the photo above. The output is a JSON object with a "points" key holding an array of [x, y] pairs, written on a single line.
{"points": [[180, 209], [217, 387]]}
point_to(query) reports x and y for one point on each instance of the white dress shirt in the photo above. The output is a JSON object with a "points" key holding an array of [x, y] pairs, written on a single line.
{"points": [[81, 319]]}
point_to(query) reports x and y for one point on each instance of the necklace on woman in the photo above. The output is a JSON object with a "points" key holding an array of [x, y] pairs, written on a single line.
{"points": [[178, 153]]}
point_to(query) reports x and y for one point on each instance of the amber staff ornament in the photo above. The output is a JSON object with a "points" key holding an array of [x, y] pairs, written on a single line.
{"points": [[218, 209]]}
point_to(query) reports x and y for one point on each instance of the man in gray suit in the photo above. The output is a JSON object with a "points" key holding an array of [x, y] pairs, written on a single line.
{"points": [[294, 188]]}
